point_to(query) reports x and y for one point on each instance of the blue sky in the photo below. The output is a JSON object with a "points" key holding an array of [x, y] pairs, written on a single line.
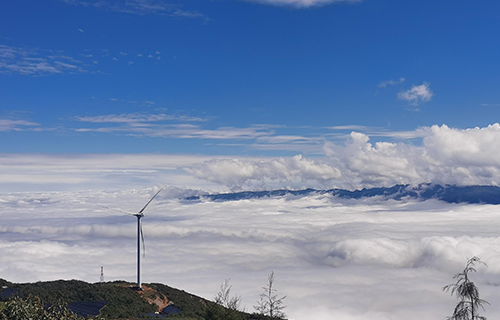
{"points": [[268, 78]]}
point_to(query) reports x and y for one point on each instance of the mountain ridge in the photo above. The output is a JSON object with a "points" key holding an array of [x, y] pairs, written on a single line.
{"points": [[478, 194]]}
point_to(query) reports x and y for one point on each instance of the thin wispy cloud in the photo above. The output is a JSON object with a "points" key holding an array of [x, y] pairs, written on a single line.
{"points": [[302, 3], [377, 132], [350, 127], [308, 140], [16, 125], [411, 134], [391, 82], [104, 57], [181, 131], [152, 125], [285, 138], [26, 61], [259, 136], [141, 7], [417, 94], [146, 103], [138, 117]]}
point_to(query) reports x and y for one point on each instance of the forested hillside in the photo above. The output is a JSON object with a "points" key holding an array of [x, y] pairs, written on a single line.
{"points": [[119, 300]]}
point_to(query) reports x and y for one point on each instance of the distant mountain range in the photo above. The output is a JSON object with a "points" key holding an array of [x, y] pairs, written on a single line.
{"points": [[447, 193]]}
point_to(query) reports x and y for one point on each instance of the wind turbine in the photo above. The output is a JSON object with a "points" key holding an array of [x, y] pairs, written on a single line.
{"points": [[140, 236]]}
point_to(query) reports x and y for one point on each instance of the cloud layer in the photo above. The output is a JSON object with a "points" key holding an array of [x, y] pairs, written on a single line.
{"points": [[437, 154], [333, 258], [446, 156]]}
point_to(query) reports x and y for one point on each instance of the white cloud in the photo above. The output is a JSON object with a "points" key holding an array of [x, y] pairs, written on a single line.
{"points": [[417, 94], [236, 174], [476, 147], [302, 3]]}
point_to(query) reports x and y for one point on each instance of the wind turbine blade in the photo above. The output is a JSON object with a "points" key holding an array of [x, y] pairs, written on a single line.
{"points": [[147, 204], [143, 243], [117, 210]]}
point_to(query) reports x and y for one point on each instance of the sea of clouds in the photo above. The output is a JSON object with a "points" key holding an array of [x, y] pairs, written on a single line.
{"points": [[333, 258]]}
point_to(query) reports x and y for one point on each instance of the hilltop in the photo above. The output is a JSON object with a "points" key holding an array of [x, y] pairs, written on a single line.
{"points": [[116, 300]]}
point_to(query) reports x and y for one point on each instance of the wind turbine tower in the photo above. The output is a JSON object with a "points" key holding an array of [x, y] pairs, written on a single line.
{"points": [[140, 236]]}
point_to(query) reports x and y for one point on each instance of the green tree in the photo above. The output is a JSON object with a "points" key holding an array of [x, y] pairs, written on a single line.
{"points": [[466, 293], [32, 309], [270, 304], [20, 309]]}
